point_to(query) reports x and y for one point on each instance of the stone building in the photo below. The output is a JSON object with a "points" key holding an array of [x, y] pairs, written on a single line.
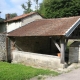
{"points": [[38, 43], [10, 24]]}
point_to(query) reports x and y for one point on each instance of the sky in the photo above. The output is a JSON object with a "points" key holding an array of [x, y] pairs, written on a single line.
{"points": [[13, 6]]}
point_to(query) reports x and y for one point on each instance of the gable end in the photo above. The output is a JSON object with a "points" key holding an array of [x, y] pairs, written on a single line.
{"points": [[72, 28]]}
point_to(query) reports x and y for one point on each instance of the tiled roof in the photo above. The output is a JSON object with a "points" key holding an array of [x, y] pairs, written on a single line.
{"points": [[46, 27], [20, 17]]}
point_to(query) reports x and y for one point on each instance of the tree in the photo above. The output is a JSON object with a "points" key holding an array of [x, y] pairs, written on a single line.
{"points": [[36, 4], [59, 8], [1, 19], [13, 15], [27, 9]]}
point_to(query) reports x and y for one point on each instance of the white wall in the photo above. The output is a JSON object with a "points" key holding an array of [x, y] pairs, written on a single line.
{"points": [[13, 25], [30, 19]]}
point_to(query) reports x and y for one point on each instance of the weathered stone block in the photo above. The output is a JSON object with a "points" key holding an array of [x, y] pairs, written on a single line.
{"points": [[37, 60], [74, 52], [3, 55]]}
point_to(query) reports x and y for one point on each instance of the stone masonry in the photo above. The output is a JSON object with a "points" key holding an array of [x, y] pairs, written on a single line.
{"points": [[37, 60], [3, 55], [74, 52]]}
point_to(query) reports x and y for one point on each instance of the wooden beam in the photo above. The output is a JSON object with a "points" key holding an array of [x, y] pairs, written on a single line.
{"points": [[66, 41], [57, 45], [62, 43]]}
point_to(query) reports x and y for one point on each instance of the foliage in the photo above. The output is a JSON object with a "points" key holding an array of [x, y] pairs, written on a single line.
{"points": [[27, 9], [1, 20], [13, 15], [59, 8], [20, 72], [36, 4]]}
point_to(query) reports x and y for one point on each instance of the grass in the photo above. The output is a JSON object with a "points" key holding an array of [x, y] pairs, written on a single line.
{"points": [[21, 72]]}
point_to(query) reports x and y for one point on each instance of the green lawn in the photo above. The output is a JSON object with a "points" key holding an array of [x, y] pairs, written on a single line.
{"points": [[20, 72]]}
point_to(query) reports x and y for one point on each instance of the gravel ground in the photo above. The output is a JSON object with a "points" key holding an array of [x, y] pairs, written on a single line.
{"points": [[73, 75], [70, 73]]}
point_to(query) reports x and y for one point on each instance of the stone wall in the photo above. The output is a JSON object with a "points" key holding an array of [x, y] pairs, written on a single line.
{"points": [[3, 54], [74, 52], [37, 60]]}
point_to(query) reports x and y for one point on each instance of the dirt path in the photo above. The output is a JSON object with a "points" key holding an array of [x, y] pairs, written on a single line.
{"points": [[73, 75]]}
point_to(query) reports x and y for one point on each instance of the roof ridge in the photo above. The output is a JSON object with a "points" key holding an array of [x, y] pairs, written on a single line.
{"points": [[62, 18], [21, 16]]}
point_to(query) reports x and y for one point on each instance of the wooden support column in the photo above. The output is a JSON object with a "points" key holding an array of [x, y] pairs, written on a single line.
{"points": [[8, 47], [66, 41], [62, 43]]}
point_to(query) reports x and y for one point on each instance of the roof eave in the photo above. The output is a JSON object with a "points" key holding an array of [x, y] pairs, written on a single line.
{"points": [[12, 20], [72, 28]]}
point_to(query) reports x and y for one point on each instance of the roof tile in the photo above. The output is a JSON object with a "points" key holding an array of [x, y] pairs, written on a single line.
{"points": [[20, 17], [45, 27]]}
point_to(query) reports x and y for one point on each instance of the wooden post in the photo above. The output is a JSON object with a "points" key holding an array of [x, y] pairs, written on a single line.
{"points": [[66, 41], [6, 49], [8, 46], [62, 43]]}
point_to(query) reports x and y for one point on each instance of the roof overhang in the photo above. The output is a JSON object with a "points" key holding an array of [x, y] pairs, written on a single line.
{"points": [[72, 28], [48, 27]]}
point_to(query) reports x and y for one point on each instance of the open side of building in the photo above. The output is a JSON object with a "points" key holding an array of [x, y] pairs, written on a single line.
{"points": [[46, 36]]}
